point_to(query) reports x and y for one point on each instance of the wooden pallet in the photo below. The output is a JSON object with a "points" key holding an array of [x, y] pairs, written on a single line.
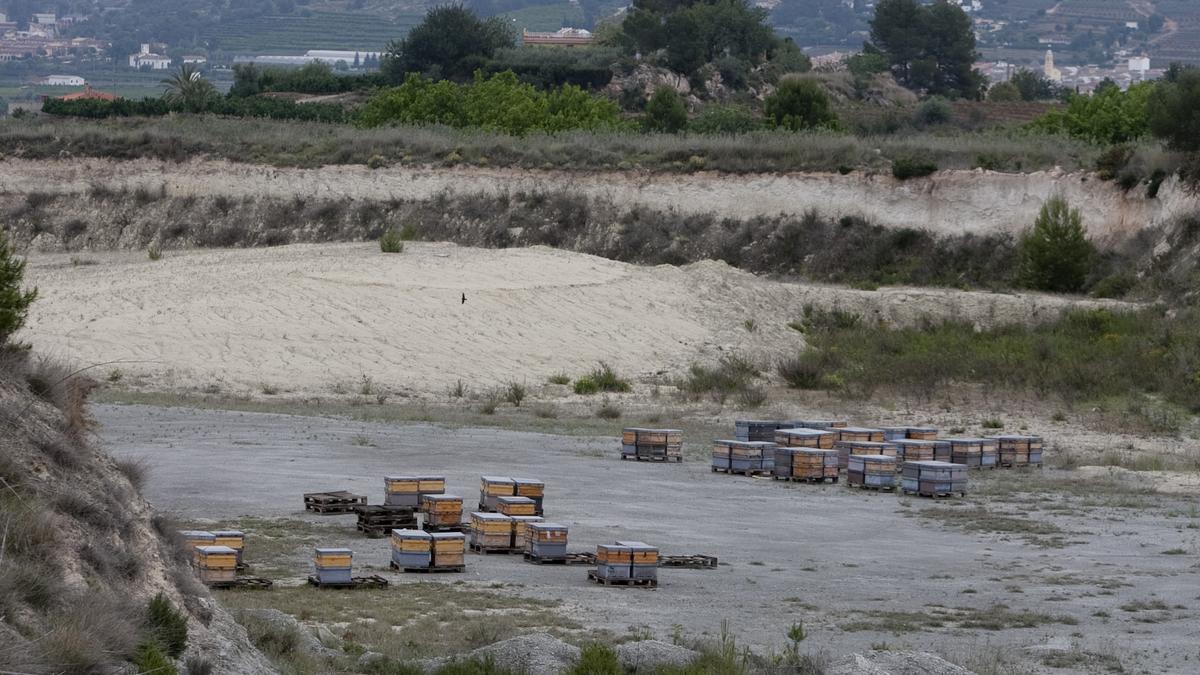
{"points": [[243, 583], [877, 488], [486, 550], [336, 501], [373, 581], [379, 531], [464, 528], [939, 495], [428, 570], [744, 472], [651, 459], [639, 583], [804, 479], [696, 561], [568, 559]]}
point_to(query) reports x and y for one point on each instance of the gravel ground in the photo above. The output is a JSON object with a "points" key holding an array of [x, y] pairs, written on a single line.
{"points": [[826, 555]]}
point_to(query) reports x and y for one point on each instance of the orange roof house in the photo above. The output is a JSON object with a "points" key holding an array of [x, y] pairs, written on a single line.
{"points": [[89, 93]]}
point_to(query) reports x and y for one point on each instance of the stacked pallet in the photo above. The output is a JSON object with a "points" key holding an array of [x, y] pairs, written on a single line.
{"points": [[520, 525], [533, 489], [814, 465], [411, 549], [491, 532], [377, 521], [758, 430], [860, 434], [913, 450], [546, 542], [975, 453], [934, 479], [871, 471], [516, 506], [626, 563], [744, 457], [332, 565], [660, 445], [449, 551], [820, 424], [234, 539], [1019, 450], [215, 564], [334, 501], [847, 448], [801, 437], [442, 511]]}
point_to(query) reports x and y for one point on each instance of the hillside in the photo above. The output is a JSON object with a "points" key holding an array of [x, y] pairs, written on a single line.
{"points": [[83, 552]]}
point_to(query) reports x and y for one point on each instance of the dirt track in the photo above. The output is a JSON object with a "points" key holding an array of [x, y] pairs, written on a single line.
{"points": [[826, 555]]}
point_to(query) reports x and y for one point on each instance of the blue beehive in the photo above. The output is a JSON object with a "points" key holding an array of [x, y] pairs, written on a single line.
{"points": [[332, 565], [613, 561], [546, 540], [644, 558], [412, 549]]}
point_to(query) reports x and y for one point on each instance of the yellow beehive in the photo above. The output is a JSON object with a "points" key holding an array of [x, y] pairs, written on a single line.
{"points": [[642, 554], [215, 558], [520, 526], [441, 504], [431, 484], [449, 549], [491, 524], [402, 485], [609, 554], [805, 438], [860, 434], [516, 506], [497, 486], [332, 557], [412, 541], [194, 538], [922, 433], [548, 535], [529, 488]]}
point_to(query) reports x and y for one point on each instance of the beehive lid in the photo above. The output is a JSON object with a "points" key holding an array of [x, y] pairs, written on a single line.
{"points": [[756, 422], [429, 477], [934, 464], [401, 478], [867, 445], [525, 519], [546, 526], [805, 432], [637, 545], [497, 479], [515, 500], [482, 515], [527, 481], [230, 533], [911, 441], [1014, 437], [967, 440], [197, 534], [874, 458], [411, 534], [216, 550], [923, 429], [445, 536], [613, 547], [861, 430], [442, 498], [653, 431], [333, 551]]}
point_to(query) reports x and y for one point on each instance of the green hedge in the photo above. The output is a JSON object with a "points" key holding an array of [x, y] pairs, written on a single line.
{"points": [[254, 106]]}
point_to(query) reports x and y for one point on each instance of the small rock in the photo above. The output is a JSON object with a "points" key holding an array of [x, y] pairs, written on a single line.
{"points": [[369, 659], [327, 638]]}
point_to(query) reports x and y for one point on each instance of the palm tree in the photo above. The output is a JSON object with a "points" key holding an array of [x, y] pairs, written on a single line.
{"points": [[187, 87]]}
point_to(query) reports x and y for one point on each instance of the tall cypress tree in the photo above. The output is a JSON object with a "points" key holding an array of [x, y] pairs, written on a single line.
{"points": [[14, 302]]}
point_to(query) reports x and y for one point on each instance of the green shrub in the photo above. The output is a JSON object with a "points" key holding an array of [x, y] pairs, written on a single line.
{"points": [[800, 104], [559, 378], [1174, 109], [484, 666], [514, 393], [602, 378], [932, 112], [596, 659], [1116, 285], [586, 386], [1107, 116], [154, 253], [1055, 254], [803, 371], [149, 659], [665, 112], [167, 626], [14, 302], [608, 411], [904, 168], [725, 119], [731, 375], [391, 242]]}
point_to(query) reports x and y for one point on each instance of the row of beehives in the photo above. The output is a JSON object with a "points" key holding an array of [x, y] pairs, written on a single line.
{"points": [[218, 555], [509, 496]]}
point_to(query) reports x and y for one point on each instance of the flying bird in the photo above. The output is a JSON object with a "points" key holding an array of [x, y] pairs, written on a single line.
{"points": [[464, 299]]}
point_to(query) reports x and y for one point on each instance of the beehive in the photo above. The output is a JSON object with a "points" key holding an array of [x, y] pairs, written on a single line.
{"points": [[660, 444], [1018, 450], [412, 549], [215, 564], [491, 530], [805, 438], [745, 455], [493, 487], [894, 433], [516, 506], [820, 424], [546, 540], [912, 450], [847, 448], [449, 549], [431, 485], [783, 461], [922, 433], [194, 538], [757, 430], [877, 471], [614, 561], [333, 565], [643, 559], [861, 434], [814, 463], [934, 479], [402, 491], [973, 452], [534, 489], [941, 450], [519, 529], [442, 510], [234, 539]]}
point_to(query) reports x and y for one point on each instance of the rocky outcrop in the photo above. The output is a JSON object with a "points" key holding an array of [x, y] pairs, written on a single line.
{"points": [[895, 663]]}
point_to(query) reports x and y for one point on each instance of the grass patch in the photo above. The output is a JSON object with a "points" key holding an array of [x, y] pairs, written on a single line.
{"points": [[995, 617], [732, 375], [1081, 660], [602, 379]]}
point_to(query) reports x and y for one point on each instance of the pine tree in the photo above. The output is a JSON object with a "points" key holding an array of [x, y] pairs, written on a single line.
{"points": [[1056, 255], [14, 302]]}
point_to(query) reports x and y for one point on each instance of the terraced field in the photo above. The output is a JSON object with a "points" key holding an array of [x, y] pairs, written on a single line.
{"points": [[319, 30]]}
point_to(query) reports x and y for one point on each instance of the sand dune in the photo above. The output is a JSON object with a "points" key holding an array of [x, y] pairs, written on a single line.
{"points": [[308, 318]]}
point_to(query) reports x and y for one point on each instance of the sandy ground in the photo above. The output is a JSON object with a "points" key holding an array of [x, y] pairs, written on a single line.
{"points": [[826, 555], [313, 319], [949, 202]]}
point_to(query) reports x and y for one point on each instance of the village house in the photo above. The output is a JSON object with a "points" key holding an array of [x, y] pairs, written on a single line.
{"points": [[63, 81], [149, 60]]}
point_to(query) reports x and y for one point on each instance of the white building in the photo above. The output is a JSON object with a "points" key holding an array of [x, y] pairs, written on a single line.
{"points": [[1139, 64], [45, 19], [63, 81], [147, 59], [1053, 74]]}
